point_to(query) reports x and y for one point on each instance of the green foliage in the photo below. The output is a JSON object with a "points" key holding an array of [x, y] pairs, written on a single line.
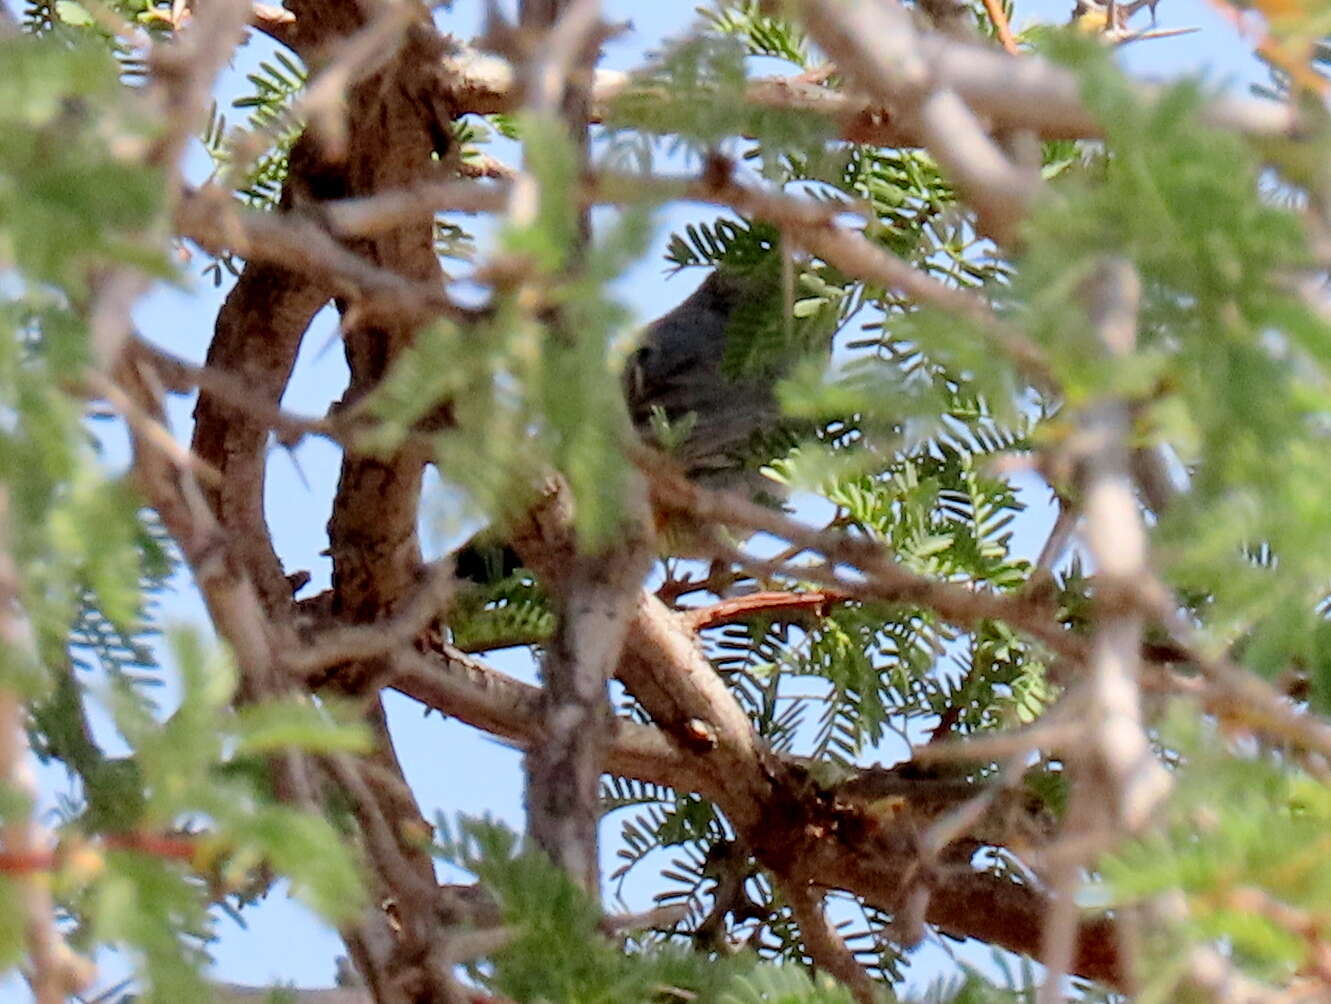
{"points": [[277, 84], [558, 953], [76, 201], [942, 518], [787, 984], [696, 96], [72, 19], [899, 440], [511, 611], [258, 180], [762, 33], [1015, 984], [664, 819], [181, 773], [525, 391], [740, 243], [471, 372], [73, 199], [897, 443], [1234, 369], [1243, 847]]}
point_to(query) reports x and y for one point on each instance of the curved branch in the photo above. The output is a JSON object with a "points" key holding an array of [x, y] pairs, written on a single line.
{"points": [[800, 831], [456, 684], [257, 336]]}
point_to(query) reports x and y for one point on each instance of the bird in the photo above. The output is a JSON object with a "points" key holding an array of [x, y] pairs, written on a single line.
{"points": [[686, 394], [684, 376]]}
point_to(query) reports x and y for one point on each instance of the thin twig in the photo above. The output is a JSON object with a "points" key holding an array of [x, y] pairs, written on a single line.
{"points": [[385, 211], [179, 376], [53, 970], [380, 836], [149, 428], [771, 604], [339, 644], [884, 579], [994, 8], [323, 101], [876, 46], [1054, 731], [215, 223], [1238, 695], [815, 227], [1065, 525], [825, 946]]}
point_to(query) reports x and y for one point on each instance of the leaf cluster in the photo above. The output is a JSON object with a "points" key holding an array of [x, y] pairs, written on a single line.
{"points": [[1242, 850], [171, 811]]}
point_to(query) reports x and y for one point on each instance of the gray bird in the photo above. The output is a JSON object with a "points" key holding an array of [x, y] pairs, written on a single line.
{"points": [[680, 373]]}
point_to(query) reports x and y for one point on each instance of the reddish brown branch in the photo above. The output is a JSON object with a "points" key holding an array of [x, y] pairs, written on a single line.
{"points": [[994, 8], [800, 833], [825, 946], [740, 608], [389, 284], [172, 847]]}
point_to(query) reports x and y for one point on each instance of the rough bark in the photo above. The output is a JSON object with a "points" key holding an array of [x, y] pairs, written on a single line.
{"points": [[811, 835]]}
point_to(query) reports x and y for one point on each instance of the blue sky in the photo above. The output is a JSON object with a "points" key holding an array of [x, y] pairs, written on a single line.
{"points": [[452, 767]]}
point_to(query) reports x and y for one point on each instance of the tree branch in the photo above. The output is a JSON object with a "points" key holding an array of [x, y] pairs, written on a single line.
{"points": [[825, 946], [389, 285], [877, 47], [53, 970], [593, 592], [770, 604], [1012, 93], [461, 686]]}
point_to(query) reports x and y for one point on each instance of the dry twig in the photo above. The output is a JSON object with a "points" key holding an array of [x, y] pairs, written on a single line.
{"points": [[53, 970]]}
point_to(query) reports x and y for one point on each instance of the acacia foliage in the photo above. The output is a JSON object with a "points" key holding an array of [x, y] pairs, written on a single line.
{"points": [[899, 442]]}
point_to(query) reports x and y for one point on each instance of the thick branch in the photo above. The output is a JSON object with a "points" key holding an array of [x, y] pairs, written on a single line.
{"points": [[594, 590], [458, 685], [1012, 93], [391, 137], [594, 596], [258, 333], [389, 286], [825, 946]]}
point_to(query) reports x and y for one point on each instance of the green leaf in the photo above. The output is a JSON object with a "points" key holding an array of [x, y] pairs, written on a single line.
{"points": [[72, 13], [278, 725]]}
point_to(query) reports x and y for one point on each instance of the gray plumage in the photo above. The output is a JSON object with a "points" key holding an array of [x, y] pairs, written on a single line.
{"points": [[680, 368]]}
